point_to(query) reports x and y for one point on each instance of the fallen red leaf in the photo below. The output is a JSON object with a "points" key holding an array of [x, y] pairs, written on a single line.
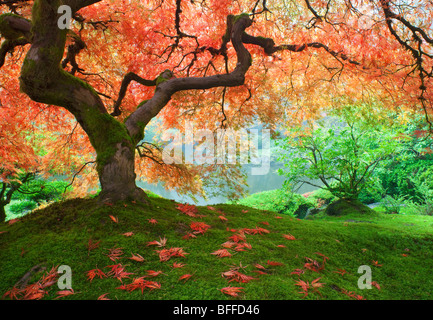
{"points": [[375, 263], [297, 271], [115, 254], [92, 245], [237, 238], [341, 271], [160, 243], [91, 274], [13, 293], [189, 235], [289, 237], [232, 291], [257, 230], [178, 265], [189, 210], [12, 221], [221, 253], [152, 273], [374, 283], [199, 227], [103, 297], [242, 246], [259, 266], [185, 277], [140, 283], [118, 271], [274, 263], [166, 254], [64, 293], [234, 275], [136, 257]]}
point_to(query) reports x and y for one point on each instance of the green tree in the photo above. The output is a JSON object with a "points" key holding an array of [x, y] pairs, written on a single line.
{"points": [[31, 189], [8, 188], [338, 153]]}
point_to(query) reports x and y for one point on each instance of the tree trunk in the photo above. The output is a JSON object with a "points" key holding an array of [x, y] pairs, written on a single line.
{"points": [[2, 212], [117, 176]]}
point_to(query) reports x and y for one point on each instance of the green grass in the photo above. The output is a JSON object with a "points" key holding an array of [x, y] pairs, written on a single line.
{"points": [[277, 200], [59, 234]]}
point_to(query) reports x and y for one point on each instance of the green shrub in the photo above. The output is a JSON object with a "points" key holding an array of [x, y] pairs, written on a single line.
{"points": [[373, 193], [342, 152], [40, 190], [423, 203], [22, 207], [398, 176], [322, 197], [413, 208], [279, 200], [408, 172], [393, 205]]}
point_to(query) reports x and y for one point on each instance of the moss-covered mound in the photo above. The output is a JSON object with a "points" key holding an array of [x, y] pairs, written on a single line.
{"points": [[167, 251], [347, 206]]}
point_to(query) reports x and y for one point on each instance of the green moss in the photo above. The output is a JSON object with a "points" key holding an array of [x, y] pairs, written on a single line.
{"points": [[226, 36], [105, 133], [59, 235], [160, 79], [346, 206], [142, 103], [139, 136], [164, 76], [239, 16]]}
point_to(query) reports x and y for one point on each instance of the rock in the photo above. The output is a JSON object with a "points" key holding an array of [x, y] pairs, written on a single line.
{"points": [[346, 206], [302, 211]]}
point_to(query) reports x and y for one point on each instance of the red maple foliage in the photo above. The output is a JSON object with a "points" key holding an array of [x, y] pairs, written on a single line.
{"points": [[124, 64]]}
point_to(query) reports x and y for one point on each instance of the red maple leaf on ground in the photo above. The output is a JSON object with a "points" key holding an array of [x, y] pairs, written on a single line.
{"points": [[199, 227], [185, 277], [189, 210], [91, 274], [231, 291], [166, 254], [274, 263], [221, 253]]}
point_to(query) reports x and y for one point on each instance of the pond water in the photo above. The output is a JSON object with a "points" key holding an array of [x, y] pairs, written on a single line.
{"points": [[257, 183]]}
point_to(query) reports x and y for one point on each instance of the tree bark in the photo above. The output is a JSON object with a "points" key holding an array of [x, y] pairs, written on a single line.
{"points": [[117, 176], [2, 212]]}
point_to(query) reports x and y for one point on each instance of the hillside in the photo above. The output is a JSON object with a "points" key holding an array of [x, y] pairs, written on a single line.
{"points": [[269, 255]]}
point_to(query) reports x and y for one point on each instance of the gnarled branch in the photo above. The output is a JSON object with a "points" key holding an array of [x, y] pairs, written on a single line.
{"points": [[139, 118]]}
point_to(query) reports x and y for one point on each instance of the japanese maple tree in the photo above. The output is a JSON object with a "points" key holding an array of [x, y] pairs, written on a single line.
{"points": [[217, 63]]}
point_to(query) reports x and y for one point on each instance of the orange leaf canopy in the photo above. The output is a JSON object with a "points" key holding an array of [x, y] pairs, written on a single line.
{"points": [[322, 54]]}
